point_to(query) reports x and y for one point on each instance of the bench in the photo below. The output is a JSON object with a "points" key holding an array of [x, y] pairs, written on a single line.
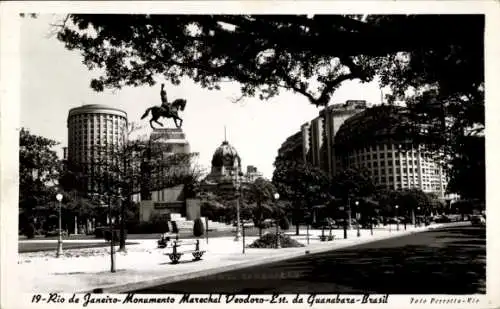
{"points": [[175, 255], [172, 232], [165, 238], [324, 237]]}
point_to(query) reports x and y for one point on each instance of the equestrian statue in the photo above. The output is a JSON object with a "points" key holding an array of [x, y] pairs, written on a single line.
{"points": [[167, 110]]}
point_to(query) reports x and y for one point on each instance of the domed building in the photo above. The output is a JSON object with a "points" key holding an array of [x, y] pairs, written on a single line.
{"points": [[225, 162], [379, 139]]}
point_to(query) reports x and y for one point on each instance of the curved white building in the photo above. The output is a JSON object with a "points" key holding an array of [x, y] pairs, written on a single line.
{"points": [[378, 140], [92, 129]]}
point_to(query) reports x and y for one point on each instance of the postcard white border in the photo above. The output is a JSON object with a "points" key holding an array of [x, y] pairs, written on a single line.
{"points": [[10, 98]]}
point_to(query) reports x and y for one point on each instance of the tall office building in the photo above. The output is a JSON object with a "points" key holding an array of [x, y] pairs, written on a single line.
{"points": [[379, 140], [252, 174], [318, 135], [93, 132], [353, 135]]}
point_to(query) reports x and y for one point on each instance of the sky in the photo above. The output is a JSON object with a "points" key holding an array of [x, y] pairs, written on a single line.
{"points": [[54, 79]]}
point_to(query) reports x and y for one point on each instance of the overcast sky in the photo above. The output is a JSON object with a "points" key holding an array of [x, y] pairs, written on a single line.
{"points": [[55, 80]]}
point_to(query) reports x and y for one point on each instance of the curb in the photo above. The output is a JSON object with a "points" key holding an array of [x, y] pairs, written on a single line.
{"points": [[140, 285]]}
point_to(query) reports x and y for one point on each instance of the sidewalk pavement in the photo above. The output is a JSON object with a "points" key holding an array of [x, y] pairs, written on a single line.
{"points": [[144, 265]]}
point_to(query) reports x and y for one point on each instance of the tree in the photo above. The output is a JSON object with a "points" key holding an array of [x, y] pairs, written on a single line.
{"points": [[469, 180], [443, 87], [352, 182], [264, 53], [39, 168], [439, 57], [175, 169], [410, 199], [386, 198], [261, 192], [302, 184]]}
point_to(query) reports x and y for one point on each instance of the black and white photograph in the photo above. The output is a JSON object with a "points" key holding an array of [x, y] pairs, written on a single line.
{"points": [[266, 158]]}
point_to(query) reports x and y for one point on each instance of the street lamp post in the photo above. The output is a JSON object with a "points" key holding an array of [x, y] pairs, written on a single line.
{"points": [[278, 242], [371, 222], [59, 197], [397, 220], [357, 218], [112, 248], [344, 211], [418, 212], [237, 187], [349, 225], [243, 234]]}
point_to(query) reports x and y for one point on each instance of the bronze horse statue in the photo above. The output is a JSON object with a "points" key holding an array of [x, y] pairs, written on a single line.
{"points": [[170, 112]]}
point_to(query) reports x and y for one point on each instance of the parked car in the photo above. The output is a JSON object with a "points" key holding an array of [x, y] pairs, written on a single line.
{"points": [[442, 219], [53, 233], [266, 223], [478, 220], [393, 220]]}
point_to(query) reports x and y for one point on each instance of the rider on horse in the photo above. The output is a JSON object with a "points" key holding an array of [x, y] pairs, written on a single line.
{"points": [[166, 110], [164, 103]]}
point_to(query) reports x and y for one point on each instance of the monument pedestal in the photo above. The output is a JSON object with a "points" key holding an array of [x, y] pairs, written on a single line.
{"points": [[170, 140]]}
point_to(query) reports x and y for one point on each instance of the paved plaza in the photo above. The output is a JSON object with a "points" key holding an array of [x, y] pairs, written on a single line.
{"points": [[145, 266]]}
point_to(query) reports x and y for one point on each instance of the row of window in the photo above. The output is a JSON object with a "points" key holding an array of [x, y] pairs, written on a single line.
{"points": [[408, 172], [97, 140], [87, 130], [391, 152], [402, 178], [92, 116], [412, 185]]}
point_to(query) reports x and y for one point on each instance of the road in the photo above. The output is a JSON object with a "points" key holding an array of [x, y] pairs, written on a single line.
{"points": [[34, 246], [47, 246], [445, 261]]}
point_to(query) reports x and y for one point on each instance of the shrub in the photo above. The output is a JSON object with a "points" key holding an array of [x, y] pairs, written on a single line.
{"points": [[284, 224], [30, 231], [268, 240], [99, 232], [198, 228]]}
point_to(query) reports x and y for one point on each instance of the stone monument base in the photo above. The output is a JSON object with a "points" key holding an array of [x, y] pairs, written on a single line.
{"points": [[170, 140]]}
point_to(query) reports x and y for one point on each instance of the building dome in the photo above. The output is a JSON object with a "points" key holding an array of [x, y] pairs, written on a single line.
{"points": [[376, 125], [226, 156]]}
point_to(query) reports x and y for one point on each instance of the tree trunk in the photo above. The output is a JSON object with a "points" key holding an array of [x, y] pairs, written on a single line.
{"points": [[296, 219], [260, 219], [122, 225]]}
